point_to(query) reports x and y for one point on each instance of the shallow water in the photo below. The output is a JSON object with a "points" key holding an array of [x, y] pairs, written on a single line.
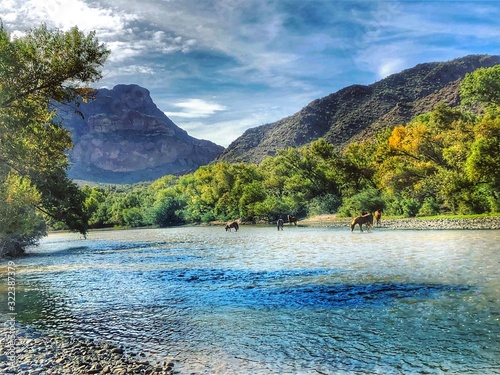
{"points": [[258, 301]]}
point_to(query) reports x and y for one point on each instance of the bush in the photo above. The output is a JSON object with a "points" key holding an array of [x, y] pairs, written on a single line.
{"points": [[168, 212], [410, 207], [430, 207], [325, 204], [132, 217], [367, 201]]}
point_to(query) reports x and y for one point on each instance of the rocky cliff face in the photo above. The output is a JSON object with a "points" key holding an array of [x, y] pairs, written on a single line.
{"points": [[357, 111], [124, 138]]}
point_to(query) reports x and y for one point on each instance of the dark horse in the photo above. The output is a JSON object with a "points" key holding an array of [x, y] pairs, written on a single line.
{"points": [[292, 219], [363, 219], [234, 225], [378, 216], [279, 224]]}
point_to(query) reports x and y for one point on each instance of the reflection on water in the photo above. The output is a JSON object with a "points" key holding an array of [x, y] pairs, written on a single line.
{"points": [[301, 301]]}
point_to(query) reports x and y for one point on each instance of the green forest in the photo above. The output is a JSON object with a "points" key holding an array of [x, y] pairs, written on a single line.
{"points": [[443, 162]]}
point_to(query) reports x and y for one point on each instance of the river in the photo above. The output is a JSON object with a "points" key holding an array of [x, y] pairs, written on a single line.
{"points": [[258, 301]]}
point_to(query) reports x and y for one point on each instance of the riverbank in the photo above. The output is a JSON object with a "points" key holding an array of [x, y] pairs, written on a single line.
{"points": [[490, 222], [26, 351]]}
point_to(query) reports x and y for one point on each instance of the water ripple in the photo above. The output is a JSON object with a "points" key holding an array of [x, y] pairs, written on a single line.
{"points": [[302, 301]]}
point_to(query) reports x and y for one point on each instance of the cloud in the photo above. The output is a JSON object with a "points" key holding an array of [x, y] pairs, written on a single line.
{"points": [[222, 132], [390, 66], [399, 35], [195, 108], [63, 14], [254, 55], [223, 127]]}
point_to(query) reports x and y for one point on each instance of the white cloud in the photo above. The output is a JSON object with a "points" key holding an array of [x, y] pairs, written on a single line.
{"points": [[130, 70], [121, 51], [63, 14], [223, 132], [390, 66], [9, 11], [195, 108], [253, 55]]}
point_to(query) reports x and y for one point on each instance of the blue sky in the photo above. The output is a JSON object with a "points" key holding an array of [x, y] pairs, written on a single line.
{"points": [[219, 67]]}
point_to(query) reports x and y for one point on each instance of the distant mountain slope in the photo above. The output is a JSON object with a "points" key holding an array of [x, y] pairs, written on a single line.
{"points": [[357, 111], [125, 138]]}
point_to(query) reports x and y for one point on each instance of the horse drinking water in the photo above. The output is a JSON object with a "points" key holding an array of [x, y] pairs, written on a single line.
{"points": [[234, 225], [363, 219]]}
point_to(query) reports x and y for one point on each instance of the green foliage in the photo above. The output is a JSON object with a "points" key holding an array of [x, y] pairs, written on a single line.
{"points": [[368, 200], [324, 204], [38, 70], [20, 224], [482, 164], [481, 86], [167, 209], [443, 161], [93, 205]]}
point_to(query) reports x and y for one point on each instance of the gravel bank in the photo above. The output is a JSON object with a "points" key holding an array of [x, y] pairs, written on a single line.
{"points": [[413, 223], [477, 223], [25, 351]]}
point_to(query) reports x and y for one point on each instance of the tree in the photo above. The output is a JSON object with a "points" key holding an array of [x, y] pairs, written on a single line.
{"points": [[482, 164], [19, 223], [41, 70], [167, 210], [481, 86]]}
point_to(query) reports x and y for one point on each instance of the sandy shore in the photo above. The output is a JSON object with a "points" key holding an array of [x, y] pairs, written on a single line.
{"points": [[412, 223], [25, 351]]}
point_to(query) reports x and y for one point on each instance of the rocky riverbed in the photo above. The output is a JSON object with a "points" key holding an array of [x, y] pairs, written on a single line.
{"points": [[26, 351], [476, 223], [411, 223]]}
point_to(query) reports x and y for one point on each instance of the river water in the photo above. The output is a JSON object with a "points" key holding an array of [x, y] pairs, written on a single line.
{"points": [[259, 301]]}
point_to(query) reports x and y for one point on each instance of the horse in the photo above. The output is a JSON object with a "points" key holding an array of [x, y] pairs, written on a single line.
{"points": [[378, 216], [363, 219], [292, 219], [279, 224], [234, 225]]}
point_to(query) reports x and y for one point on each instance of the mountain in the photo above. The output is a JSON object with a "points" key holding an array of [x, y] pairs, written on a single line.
{"points": [[124, 138], [357, 111]]}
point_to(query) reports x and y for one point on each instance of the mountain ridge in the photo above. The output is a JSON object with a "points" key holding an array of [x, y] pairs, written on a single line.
{"points": [[123, 137], [358, 111]]}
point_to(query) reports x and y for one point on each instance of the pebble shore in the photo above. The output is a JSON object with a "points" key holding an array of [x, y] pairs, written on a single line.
{"points": [[464, 224], [411, 223], [26, 351]]}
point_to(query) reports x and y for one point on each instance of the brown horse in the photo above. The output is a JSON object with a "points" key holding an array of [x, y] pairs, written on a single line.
{"points": [[363, 219], [378, 216], [234, 225], [292, 219]]}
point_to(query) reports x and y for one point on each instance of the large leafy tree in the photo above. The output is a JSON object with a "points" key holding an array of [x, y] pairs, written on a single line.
{"points": [[481, 86], [39, 71], [426, 157]]}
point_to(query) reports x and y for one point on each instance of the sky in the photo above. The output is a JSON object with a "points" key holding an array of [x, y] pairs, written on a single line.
{"points": [[219, 67]]}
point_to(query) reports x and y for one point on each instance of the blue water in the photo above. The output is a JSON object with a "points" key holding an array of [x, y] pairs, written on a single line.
{"points": [[258, 301]]}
